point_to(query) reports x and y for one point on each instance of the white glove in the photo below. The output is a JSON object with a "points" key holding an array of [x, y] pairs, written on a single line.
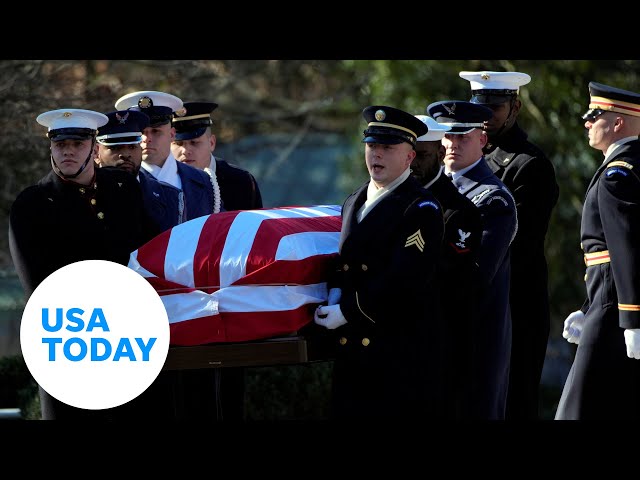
{"points": [[632, 339], [573, 327], [334, 296], [329, 317]]}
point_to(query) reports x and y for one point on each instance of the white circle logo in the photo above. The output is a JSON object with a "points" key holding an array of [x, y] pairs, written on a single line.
{"points": [[94, 334]]}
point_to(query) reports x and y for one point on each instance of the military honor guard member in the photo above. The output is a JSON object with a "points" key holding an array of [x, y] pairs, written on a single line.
{"points": [[387, 303], [76, 212], [458, 266], [196, 193], [604, 380], [527, 172], [234, 188], [470, 173], [119, 147]]}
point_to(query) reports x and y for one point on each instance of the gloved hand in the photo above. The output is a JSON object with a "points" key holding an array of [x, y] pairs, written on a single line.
{"points": [[573, 327], [329, 316], [334, 296], [632, 339]]}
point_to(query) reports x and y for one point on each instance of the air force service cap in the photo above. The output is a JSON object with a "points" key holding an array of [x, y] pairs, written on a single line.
{"points": [[605, 98], [492, 88], [71, 123], [193, 119], [158, 106], [436, 130], [462, 117], [390, 126], [124, 127]]}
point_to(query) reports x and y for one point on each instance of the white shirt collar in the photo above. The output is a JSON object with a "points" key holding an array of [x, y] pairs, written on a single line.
{"points": [[168, 173]]}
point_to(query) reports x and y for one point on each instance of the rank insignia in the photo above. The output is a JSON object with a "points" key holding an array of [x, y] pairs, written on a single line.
{"points": [[415, 239]]}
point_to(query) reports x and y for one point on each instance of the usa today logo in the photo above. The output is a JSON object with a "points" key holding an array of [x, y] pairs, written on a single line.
{"points": [[94, 334]]}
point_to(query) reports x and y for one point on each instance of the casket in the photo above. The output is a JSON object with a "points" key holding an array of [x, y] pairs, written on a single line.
{"points": [[243, 275]]}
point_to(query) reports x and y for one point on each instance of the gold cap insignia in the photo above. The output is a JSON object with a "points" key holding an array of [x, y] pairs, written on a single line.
{"points": [[145, 102], [181, 112], [485, 76], [380, 115], [67, 114]]}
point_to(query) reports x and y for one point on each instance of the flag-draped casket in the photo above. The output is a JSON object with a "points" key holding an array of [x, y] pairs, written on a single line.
{"points": [[242, 275]]}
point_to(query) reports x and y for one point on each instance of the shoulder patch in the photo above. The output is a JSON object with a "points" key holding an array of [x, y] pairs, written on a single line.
{"points": [[614, 170], [428, 203]]}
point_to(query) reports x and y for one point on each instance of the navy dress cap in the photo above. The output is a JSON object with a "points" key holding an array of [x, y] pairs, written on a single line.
{"points": [[124, 127], [193, 119], [461, 116], [158, 106], [71, 123], [491, 88], [604, 97], [390, 126]]}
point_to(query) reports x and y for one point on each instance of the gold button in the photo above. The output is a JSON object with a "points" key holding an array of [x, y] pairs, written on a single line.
{"points": [[364, 267], [81, 190], [585, 277], [93, 201], [343, 340], [366, 341], [100, 215], [345, 267]]}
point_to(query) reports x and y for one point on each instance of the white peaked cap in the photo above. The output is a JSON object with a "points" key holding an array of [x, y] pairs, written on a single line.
{"points": [[436, 130], [72, 118], [159, 99], [487, 80]]}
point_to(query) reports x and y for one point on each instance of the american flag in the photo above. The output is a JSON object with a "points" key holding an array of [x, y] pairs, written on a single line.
{"points": [[242, 275]]}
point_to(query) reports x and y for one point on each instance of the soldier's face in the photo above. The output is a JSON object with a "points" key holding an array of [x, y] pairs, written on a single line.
{"points": [[387, 162], [600, 130], [196, 151], [70, 154], [428, 159], [156, 143], [462, 150], [504, 114], [125, 157]]}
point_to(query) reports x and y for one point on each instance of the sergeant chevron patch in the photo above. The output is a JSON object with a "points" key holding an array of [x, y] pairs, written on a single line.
{"points": [[415, 239]]}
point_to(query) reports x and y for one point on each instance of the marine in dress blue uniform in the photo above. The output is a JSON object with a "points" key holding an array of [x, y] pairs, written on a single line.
{"points": [[90, 214], [604, 382], [458, 266], [237, 187], [388, 257], [497, 206], [530, 176]]}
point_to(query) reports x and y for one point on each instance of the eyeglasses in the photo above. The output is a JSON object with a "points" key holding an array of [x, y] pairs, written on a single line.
{"points": [[592, 115]]}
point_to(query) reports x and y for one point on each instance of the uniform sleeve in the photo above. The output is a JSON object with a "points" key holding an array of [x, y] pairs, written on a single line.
{"points": [[499, 227], [619, 202]]}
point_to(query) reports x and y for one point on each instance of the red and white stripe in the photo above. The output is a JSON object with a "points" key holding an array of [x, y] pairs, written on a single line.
{"points": [[242, 275]]}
